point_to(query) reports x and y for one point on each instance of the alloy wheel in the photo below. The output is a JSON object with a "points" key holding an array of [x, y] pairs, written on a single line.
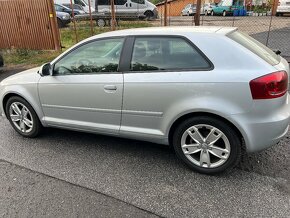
{"points": [[205, 146], [21, 117]]}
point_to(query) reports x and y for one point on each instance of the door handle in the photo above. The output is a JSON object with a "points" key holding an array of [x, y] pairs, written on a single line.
{"points": [[110, 87], [130, 5], [126, 4]]}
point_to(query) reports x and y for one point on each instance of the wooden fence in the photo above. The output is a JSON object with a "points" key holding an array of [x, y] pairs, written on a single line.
{"points": [[28, 24]]}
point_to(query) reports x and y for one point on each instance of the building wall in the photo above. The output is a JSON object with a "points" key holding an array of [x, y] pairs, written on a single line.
{"points": [[174, 8]]}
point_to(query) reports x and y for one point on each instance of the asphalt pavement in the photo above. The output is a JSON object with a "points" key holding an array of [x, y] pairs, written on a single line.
{"points": [[140, 178]]}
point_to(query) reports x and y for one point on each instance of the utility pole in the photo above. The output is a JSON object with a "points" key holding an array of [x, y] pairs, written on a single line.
{"points": [[165, 13], [113, 16], [197, 13]]}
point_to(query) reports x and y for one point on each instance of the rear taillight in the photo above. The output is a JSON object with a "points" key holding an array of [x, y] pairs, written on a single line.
{"points": [[273, 85]]}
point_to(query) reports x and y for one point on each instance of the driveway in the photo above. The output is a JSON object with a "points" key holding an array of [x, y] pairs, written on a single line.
{"points": [[150, 177]]}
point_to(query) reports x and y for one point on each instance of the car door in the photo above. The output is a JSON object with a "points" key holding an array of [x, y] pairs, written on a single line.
{"points": [[85, 90], [137, 6], [156, 83]]}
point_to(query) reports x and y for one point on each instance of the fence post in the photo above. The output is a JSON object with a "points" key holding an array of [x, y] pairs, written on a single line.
{"points": [[54, 26], [91, 18], [74, 21], [197, 13], [113, 17], [165, 13], [270, 25]]}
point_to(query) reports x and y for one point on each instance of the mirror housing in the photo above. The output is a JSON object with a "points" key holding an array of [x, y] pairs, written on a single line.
{"points": [[45, 70]]}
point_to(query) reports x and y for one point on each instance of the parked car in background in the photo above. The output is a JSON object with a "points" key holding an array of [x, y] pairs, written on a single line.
{"points": [[75, 7], [207, 8], [227, 7], [190, 10], [63, 19], [283, 7], [163, 85], [129, 7], [1, 61], [62, 8], [83, 3]]}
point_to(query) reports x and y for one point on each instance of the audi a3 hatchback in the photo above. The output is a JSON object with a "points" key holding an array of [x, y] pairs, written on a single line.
{"points": [[210, 92]]}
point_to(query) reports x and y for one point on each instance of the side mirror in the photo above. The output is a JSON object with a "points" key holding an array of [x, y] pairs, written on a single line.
{"points": [[45, 70]]}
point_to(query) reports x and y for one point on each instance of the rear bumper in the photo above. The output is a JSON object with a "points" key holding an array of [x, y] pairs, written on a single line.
{"points": [[264, 129]]}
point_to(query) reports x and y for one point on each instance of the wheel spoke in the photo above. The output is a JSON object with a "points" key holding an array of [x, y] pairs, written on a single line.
{"points": [[22, 126], [14, 117], [204, 159], [191, 149], [219, 152], [212, 137], [24, 112], [16, 109], [196, 136], [27, 122]]}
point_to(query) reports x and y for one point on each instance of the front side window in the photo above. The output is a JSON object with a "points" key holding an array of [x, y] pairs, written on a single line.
{"points": [[166, 53], [120, 2], [138, 1], [79, 2], [57, 8], [94, 57], [103, 2]]}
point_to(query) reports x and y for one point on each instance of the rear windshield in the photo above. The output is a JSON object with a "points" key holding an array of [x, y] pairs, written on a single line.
{"points": [[256, 47]]}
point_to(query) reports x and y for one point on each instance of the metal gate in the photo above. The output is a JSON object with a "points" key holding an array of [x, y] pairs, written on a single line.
{"points": [[28, 24]]}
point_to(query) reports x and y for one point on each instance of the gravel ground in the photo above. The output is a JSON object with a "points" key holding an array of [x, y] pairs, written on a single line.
{"points": [[149, 176]]}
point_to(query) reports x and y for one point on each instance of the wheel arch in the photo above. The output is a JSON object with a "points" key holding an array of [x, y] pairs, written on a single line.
{"points": [[182, 118], [9, 95]]}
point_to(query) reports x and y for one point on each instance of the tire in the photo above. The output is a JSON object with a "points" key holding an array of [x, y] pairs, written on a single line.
{"points": [[212, 13], [60, 23], [224, 13], [34, 128], [227, 145], [149, 15], [101, 22]]}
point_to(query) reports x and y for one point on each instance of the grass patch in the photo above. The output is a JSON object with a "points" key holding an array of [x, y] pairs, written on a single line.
{"points": [[14, 57]]}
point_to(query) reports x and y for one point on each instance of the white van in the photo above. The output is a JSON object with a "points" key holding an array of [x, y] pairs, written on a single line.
{"points": [[139, 7], [78, 2], [283, 7]]}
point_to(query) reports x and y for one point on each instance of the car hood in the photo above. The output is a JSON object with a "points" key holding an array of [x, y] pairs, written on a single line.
{"points": [[24, 77], [59, 13]]}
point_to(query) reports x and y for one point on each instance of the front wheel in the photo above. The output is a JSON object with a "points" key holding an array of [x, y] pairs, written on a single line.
{"points": [[22, 117], [212, 13], [207, 145], [224, 13]]}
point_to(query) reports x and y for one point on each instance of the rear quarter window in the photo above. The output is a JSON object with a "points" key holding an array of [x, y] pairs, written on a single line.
{"points": [[256, 47]]}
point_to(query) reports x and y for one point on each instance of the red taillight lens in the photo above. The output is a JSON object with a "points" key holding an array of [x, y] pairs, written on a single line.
{"points": [[273, 85]]}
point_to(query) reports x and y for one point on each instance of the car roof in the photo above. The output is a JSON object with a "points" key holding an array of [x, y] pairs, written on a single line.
{"points": [[167, 31]]}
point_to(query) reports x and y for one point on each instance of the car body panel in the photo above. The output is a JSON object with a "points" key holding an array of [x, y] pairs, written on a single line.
{"points": [[147, 104], [82, 101]]}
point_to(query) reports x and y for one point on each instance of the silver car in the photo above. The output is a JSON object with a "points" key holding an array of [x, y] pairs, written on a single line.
{"points": [[210, 92]]}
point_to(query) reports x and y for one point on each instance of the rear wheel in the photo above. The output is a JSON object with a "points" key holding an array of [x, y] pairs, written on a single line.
{"points": [[224, 13], [22, 117], [212, 13], [149, 14], [207, 145]]}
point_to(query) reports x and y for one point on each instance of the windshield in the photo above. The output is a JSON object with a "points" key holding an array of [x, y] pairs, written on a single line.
{"points": [[256, 47]]}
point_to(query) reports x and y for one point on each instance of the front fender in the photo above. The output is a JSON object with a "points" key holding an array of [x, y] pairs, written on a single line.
{"points": [[28, 92]]}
